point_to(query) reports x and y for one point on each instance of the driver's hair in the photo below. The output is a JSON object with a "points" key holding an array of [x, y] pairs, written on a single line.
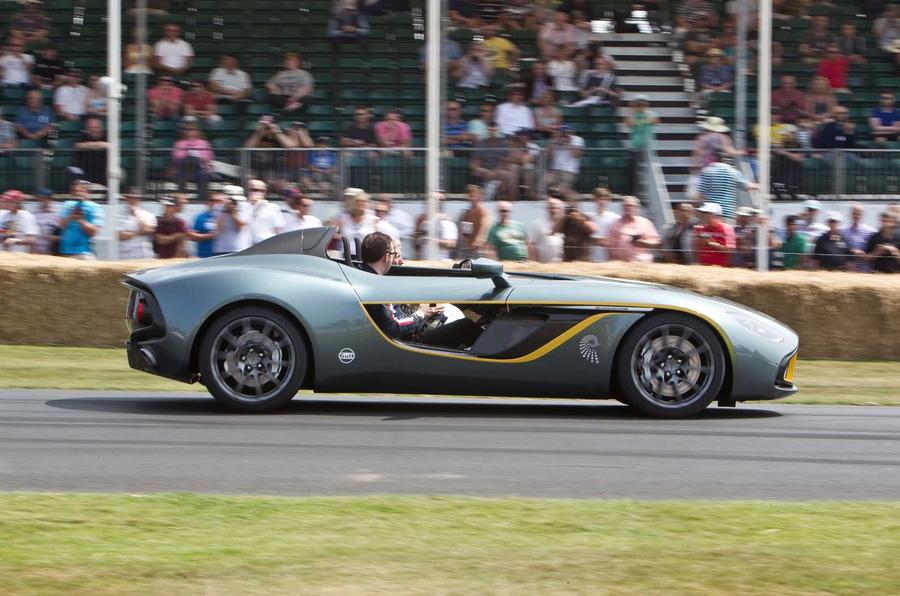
{"points": [[375, 246]]}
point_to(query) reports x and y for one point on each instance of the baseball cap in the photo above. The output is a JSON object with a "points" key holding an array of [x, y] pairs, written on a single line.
{"points": [[167, 201], [44, 192], [746, 211], [711, 207], [14, 195], [812, 205], [833, 216]]}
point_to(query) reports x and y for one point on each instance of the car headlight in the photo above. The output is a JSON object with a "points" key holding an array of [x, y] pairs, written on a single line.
{"points": [[758, 326]]}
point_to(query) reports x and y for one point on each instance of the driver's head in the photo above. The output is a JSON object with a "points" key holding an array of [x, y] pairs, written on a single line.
{"points": [[378, 252]]}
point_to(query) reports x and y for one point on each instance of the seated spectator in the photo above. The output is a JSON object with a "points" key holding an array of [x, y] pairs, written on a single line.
{"points": [[835, 67], [80, 221], [172, 55], [97, 102], [716, 76], [8, 137], [523, 155], [501, 53], [268, 135], [537, 82], [90, 154], [456, 130], [291, 88], [16, 65], [562, 70], [508, 238], [815, 44], [475, 69], [18, 227], [393, 133], [692, 14], [478, 127], [794, 245], [547, 117], [678, 238], [170, 232], [490, 163], [883, 248], [191, 156], [714, 239], [857, 235], [70, 100], [820, 100], [839, 133], [787, 162], [632, 238], [30, 23], [697, 42], [599, 85], [360, 133], [165, 99], [229, 82], [347, 24], [850, 44], [790, 100], [136, 228], [138, 57], [200, 103], [832, 250], [884, 121], [514, 114], [464, 13], [570, 7], [35, 120], [777, 128], [49, 71], [322, 168], [556, 33], [887, 32], [565, 158], [583, 34]]}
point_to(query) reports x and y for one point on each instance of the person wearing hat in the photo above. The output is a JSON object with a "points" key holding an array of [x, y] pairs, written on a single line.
{"points": [[233, 224], [18, 227], [80, 221], [709, 143], [832, 251], [136, 228], [642, 123], [744, 237], [47, 218], [719, 182], [809, 227], [70, 100], [168, 238], [716, 76], [714, 239]]}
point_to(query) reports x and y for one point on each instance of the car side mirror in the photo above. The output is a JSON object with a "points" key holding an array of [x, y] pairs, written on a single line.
{"points": [[490, 269]]}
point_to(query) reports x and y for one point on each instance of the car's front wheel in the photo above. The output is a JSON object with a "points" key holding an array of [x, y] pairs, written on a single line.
{"points": [[670, 366], [253, 359]]}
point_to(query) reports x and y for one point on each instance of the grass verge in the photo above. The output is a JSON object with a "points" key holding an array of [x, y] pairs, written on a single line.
{"points": [[158, 544], [40, 367]]}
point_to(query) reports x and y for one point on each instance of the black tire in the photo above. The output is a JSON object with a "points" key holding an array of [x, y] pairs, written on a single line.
{"points": [[670, 366], [253, 359]]}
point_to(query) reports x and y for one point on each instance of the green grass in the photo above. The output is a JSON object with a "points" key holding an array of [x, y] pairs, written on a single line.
{"points": [[39, 367], [189, 544]]}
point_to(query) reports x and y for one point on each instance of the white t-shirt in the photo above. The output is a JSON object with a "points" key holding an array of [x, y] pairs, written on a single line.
{"points": [[549, 246], [293, 223], [173, 54], [402, 222], [17, 69], [237, 80], [230, 239], [350, 229], [19, 226], [604, 222], [46, 222], [564, 158], [265, 221], [136, 247], [446, 231], [564, 74], [72, 99], [511, 118]]}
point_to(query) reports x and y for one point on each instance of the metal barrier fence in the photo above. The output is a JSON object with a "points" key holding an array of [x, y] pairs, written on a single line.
{"points": [[506, 172], [835, 173]]}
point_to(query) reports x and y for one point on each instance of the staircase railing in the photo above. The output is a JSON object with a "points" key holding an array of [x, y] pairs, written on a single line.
{"points": [[655, 192]]}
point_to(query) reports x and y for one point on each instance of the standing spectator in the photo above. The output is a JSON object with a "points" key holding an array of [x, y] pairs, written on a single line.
{"points": [[165, 99], [357, 221], [809, 227], [18, 227], [399, 219], [347, 24], [191, 156], [70, 100], [445, 229], [794, 245], [456, 130], [745, 240], [642, 123], [204, 230], [514, 114], [887, 30], [883, 248], [97, 102], [200, 103], [30, 23], [857, 235], [835, 67], [716, 76], [577, 229], [16, 65], [233, 225], [298, 215], [832, 251], [815, 44], [474, 224], [678, 237], [265, 217], [839, 133], [136, 229], [170, 233], [80, 221], [90, 151], [563, 70], [603, 222], [47, 219], [557, 34], [632, 238], [695, 13], [599, 85], [820, 100], [290, 89], [501, 52], [379, 210], [719, 183], [884, 121], [491, 164], [714, 238], [565, 158], [475, 69], [710, 144], [322, 167], [229, 82], [545, 244], [268, 135], [172, 55], [360, 133], [507, 237], [49, 71], [393, 133], [547, 117], [790, 100]]}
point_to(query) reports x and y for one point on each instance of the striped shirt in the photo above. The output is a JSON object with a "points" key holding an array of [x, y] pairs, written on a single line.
{"points": [[719, 183]]}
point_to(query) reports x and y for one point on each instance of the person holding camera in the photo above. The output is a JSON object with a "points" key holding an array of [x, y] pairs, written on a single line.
{"points": [[632, 238], [474, 70], [291, 88], [268, 135], [714, 240], [577, 229], [565, 158], [80, 220], [233, 224]]}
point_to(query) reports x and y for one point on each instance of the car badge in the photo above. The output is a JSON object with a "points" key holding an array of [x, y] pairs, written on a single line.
{"points": [[346, 356], [588, 348]]}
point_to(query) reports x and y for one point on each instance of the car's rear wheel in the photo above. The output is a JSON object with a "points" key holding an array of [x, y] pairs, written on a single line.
{"points": [[670, 366], [253, 359]]}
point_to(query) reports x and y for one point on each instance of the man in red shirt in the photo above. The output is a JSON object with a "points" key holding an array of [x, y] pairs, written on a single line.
{"points": [[170, 230], [834, 67], [165, 99], [714, 239], [791, 100], [200, 103]]}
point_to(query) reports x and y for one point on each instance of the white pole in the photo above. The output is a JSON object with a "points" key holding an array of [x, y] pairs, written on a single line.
{"points": [[432, 121], [764, 142], [114, 93]]}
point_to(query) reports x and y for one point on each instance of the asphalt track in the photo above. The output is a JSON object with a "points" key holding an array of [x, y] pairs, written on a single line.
{"points": [[130, 442]]}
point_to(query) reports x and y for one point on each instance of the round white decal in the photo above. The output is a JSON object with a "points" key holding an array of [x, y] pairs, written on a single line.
{"points": [[588, 348], [346, 356]]}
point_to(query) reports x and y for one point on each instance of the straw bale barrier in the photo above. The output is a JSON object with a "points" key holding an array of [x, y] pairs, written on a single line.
{"points": [[55, 301]]}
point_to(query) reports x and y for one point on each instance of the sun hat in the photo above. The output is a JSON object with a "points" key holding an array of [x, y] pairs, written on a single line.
{"points": [[714, 124], [711, 207]]}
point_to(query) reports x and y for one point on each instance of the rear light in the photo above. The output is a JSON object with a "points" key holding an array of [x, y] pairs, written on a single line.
{"points": [[142, 313]]}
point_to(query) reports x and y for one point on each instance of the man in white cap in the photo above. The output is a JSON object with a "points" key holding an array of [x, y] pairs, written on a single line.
{"points": [[719, 183], [812, 229], [18, 227], [714, 238], [136, 228], [832, 250], [233, 226]]}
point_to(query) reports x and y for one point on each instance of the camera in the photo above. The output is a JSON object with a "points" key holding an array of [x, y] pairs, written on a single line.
{"points": [[298, 124]]}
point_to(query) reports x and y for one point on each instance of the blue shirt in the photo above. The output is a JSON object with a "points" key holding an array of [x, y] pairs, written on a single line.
{"points": [[73, 240], [322, 160], [204, 224], [453, 130], [34, 121], [716, 75], [887, 117]]}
